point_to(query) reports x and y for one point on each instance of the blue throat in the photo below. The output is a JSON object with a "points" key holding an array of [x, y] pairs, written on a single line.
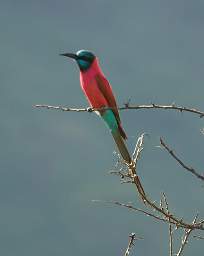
{"points": [[83, 64]]}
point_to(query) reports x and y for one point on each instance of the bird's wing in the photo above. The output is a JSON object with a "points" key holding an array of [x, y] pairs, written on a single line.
{"points": [[107, 92]]}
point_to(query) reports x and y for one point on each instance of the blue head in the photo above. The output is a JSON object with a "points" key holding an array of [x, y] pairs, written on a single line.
{"points": [[83, 58]]}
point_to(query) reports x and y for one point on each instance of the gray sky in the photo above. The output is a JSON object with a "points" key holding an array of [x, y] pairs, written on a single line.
{"points": [[53, 164]]}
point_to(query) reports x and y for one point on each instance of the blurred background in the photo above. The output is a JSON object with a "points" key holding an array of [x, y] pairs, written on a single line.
{"points": [[52, 163]]}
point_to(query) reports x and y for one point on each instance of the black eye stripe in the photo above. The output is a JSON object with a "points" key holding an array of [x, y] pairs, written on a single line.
{"points": [[85, 58]]}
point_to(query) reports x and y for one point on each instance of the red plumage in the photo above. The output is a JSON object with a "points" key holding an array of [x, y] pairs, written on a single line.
{"points": [[99, 92]]}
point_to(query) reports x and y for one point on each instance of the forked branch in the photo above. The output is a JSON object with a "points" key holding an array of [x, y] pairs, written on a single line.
{"points": [[185, 238], [165, 213]]}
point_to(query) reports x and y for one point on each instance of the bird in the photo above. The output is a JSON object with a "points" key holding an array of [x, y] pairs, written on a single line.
{"points": [[99, 94]]}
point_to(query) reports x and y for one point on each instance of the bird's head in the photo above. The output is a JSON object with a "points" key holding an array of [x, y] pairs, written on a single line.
{"points": [[83, 58]]}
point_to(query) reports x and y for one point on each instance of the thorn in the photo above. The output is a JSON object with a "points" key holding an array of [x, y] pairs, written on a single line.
{"points": [[127, 104]]}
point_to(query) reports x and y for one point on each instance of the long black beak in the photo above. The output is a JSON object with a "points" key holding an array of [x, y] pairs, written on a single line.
{"points": [[70, 55]]}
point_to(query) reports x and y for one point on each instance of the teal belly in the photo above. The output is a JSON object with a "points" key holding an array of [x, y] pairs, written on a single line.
{"points": [[109, 118]]}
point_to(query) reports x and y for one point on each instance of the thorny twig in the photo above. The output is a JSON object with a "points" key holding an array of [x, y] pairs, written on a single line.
{"points": [[132, 167], [164, 211], [166, 215], [130, 244], [129, 171], [132, 238], [190, 169], [138, 149], [170, 226], [187, 231], [184, 240], [127, 106], [129, 206], [122, 175]]}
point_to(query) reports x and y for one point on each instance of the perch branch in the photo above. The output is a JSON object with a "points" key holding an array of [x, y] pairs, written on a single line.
{"points": [[127, 106]]}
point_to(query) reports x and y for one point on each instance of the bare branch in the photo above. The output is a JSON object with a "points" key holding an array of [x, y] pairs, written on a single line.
{"points": [[127, 106], [129, 206], [170, 227], [138, 149], [120, 173], [171, 218], [170, 240], [132, 167], [184, 240], [130, 244], [165, 214], [190, 169], [62, 108], [168, 219], [167, 107]]}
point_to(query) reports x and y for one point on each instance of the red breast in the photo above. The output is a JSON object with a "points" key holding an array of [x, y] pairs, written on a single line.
{"points": [[89, 85]]}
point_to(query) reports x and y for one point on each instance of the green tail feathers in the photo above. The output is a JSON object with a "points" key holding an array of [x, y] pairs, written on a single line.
{"points": [[118, 134], [121, 146]]}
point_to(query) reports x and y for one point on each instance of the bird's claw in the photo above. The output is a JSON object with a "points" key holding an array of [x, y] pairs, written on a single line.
{"points": [[89, 109]]}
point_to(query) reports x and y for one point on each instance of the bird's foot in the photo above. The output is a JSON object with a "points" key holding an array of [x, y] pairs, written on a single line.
{"points": [[89, 109]]}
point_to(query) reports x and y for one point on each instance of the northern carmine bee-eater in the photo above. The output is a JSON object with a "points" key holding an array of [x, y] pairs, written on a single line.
{"points": [[100, 96]]}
